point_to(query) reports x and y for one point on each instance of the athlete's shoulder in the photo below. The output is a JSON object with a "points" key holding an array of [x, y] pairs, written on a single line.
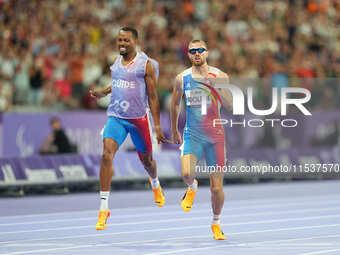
{"points": [[144, 55], [216, 72], [142, 58], [114, 61], [154, 62], [151, 64], [186, 72], [179, 78]]}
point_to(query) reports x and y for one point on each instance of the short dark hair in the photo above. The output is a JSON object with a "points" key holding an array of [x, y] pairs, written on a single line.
{"points": [[132, 30], [54, 119]]}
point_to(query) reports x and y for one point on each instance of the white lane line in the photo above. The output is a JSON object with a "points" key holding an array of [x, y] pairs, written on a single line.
{"points": [[196, 211], [295, 200], [173, 238], [184, 219], [169, 229], [307, 244], [193, 250], [173, 220], [320, 252]]}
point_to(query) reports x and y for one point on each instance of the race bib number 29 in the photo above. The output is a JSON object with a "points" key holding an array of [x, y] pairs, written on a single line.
{"points": [[121, 104]]}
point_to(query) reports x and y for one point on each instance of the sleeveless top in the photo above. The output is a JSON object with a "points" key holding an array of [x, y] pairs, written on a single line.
{"points": [[129, 99], [200, 123]]}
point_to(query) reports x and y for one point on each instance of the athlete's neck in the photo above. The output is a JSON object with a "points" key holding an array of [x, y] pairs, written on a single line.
{"points": [[201, 70], [129, 57]]}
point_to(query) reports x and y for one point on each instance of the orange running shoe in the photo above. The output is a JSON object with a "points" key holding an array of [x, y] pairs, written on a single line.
{"points": [[188, 199], [217, 232], [102, 218], [158, 195]]}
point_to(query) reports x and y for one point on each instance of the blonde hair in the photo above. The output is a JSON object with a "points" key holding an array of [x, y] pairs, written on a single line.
{"points": [[198, 41]]}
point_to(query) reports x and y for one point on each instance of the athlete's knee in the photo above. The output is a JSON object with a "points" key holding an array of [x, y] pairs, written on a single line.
{"points": [[216, 189], [147, 160], [107, 156], [148, 163]]}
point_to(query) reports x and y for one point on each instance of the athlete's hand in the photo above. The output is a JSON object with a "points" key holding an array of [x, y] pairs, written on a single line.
{"points": [[176, 137], [96, 94], [160, 136]]}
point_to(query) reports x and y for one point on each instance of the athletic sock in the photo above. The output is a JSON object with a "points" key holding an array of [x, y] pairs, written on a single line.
{"points": [[104, 200], [216, 219], [194, 185], [155, 182]]}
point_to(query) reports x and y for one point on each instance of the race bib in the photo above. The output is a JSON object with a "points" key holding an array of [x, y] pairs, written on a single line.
{"points": [[194, 97]]}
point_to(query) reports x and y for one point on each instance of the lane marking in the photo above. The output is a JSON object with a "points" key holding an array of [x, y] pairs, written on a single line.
{"points": [[195, 211], [161, 229], [226, 217], [320, 252], [174, 220], [299, 200], [175, 238], [241, 244]]}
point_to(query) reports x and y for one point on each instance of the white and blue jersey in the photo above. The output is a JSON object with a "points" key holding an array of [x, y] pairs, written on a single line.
{"points": [[200, 136]]}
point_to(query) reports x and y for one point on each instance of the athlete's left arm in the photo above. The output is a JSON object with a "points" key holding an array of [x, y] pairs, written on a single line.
{"points": [[151, 81], [225, 94]]}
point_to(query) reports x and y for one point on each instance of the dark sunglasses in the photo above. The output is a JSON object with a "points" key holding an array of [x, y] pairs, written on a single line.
{"points": [[200, 50]]}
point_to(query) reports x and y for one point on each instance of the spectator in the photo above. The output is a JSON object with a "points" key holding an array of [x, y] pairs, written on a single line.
{"points": [[21, 84], [279, 78], [244, 37], [5, 98], [36, 82], [57, 142]]}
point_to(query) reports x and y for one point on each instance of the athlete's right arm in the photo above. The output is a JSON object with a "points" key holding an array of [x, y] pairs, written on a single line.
{"points": [[175, 109], [102, 92]]}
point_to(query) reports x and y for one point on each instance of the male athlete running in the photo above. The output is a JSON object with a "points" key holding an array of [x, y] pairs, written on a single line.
{"points": [[133, 88], [201, 136]]}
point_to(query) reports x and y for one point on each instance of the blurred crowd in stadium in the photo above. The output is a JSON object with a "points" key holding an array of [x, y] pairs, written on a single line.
{"points": [[51, 52]]}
